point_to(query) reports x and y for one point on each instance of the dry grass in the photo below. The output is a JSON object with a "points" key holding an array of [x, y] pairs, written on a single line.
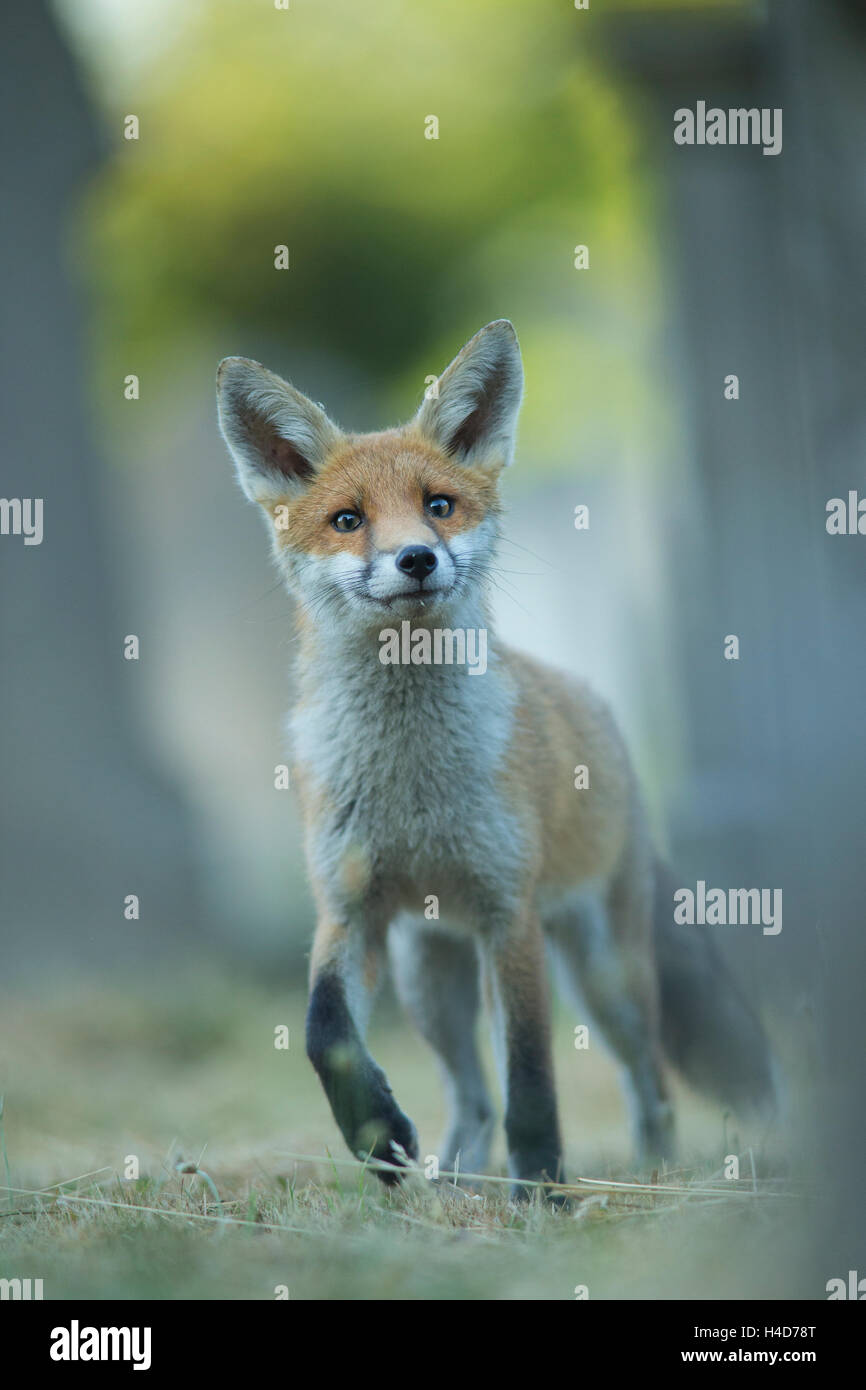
{"points": [[193, 1082]]}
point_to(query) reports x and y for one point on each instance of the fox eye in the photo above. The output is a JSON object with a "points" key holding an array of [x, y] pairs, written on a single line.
{"points": [[346, 521], [440, 506]]}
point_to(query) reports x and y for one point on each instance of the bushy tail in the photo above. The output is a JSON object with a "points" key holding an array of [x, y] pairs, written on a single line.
{"points": [[709, 1030]]}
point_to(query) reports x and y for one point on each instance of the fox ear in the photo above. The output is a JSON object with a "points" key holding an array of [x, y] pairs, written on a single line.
{"points": [[473, 414], [277, 437]]}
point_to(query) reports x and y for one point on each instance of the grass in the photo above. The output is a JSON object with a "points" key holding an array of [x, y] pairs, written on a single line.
{"points": [[160, 1146]]}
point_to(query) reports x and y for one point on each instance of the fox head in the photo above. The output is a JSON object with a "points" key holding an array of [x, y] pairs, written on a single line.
{"points": [[400, 523]]}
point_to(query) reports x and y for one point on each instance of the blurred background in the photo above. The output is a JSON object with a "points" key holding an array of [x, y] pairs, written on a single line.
{"points": [[154, 257]]}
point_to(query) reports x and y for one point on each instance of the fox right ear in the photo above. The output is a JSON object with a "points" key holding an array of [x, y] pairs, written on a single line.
{"points": [[472, 414], [277, 437]]}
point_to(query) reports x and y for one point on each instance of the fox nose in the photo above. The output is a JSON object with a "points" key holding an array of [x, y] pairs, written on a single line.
{"points": [[416, 560]]}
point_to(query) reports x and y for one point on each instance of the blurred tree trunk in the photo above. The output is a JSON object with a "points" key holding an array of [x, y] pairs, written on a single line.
{"points": [[86, 817], [766, 253]]}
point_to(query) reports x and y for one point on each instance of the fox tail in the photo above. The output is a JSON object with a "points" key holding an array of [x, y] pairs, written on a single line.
{"points": [[710, 1031]]}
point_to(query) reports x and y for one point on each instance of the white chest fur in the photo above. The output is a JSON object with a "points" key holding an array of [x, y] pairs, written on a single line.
{"points": [[407, 759]]}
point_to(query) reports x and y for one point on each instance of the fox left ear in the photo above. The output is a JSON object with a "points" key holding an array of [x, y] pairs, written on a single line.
{"points": [[474, 413], [278, 438]]}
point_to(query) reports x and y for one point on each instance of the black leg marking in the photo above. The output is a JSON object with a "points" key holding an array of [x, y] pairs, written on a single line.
{"points": [[358, 1091]]}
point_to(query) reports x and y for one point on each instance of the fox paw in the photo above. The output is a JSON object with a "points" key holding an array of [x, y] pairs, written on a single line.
{"points": [[390, 1139]]}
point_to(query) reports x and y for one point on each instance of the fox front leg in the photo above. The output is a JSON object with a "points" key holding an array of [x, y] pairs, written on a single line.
{"points": [[369, 1118], [518, 995]]}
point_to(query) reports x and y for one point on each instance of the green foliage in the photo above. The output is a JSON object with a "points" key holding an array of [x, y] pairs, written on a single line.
{"points": [[306, 128]]}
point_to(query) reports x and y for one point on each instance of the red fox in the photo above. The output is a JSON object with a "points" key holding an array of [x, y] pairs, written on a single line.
{"points": [[421, 785]]}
